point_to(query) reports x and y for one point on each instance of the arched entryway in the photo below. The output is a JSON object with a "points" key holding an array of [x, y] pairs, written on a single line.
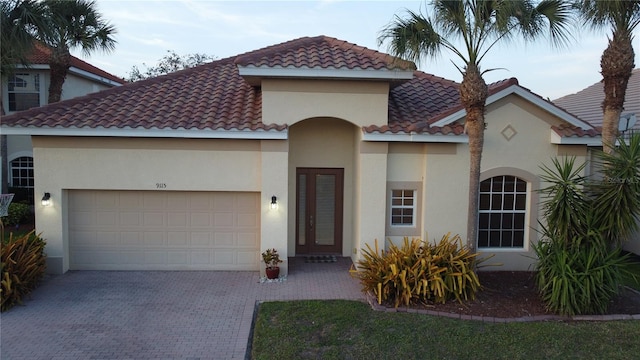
{"points": [[321, 178]]}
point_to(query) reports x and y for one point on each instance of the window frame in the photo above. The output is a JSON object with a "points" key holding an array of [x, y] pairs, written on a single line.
{"points": [[37, 78], [415, 229], [531, 208]]}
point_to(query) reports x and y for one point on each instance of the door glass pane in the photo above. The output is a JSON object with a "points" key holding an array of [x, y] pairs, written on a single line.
{"points": [[302, 208], [325, 209]]}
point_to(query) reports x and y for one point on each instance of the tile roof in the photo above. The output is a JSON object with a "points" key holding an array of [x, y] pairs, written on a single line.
{"points": [[587, 103], [567, 130], [321, 52], [214, 96], [211, 96], [41, 54]]}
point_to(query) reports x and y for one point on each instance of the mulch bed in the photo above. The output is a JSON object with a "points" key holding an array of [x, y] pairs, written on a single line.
{"points": [[512, 294]]}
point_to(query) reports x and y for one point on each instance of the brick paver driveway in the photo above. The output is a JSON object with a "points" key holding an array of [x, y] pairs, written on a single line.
{"points": [[156, 315]]}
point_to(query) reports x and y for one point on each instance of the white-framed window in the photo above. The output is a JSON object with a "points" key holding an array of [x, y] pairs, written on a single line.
{"points": [[22, 172], [403, 207], [23, 91], [503, 212]]}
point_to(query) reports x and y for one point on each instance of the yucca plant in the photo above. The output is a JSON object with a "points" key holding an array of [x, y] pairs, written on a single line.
{"points": [[419, 271], [23, 265], [580, 262]]}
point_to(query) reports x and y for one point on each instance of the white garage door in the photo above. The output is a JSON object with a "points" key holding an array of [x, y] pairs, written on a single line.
{"points": [[163, 230]]}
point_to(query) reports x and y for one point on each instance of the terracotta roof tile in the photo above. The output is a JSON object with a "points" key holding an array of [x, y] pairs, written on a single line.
{"points": [[41, 54], [214, 96], [567, 130], [322, 52]]}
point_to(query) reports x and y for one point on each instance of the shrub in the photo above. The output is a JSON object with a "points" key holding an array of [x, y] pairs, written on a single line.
{"points": [[419, 271], [578, 280], [17, 214], [23, 266]]}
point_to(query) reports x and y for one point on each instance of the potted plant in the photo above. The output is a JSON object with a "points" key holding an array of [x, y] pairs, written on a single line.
{"points": [[271, 259]]}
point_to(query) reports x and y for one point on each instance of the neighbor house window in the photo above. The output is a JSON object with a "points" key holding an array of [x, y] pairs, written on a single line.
{"points": [[24, 91], [503, 210], [403, 207], [22, 172]]}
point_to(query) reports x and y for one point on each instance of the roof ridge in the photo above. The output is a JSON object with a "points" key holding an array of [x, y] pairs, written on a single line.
{"points": [[295, 53]]}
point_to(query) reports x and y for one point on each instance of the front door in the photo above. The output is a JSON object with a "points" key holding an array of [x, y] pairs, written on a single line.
{"points": [[319, 210]]}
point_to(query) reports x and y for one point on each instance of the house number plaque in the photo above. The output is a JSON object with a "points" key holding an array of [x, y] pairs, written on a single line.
{"points": [[161, 186]]}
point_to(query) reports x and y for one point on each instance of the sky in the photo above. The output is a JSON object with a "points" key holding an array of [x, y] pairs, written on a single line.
{"points": [[147, 29]]}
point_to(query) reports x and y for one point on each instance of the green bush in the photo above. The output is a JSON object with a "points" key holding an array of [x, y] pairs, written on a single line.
{"points": [[17, 214], [419, 271], [576, 280], [23, 265]]}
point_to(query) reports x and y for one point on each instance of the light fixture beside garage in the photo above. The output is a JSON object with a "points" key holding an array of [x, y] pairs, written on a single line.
{"points": [[274, 202], [46, 199]]}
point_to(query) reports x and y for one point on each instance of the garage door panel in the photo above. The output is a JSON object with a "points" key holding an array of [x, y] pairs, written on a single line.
{"points": [[145, 230], [248, 220], [248, 240], [128, 218], [106, 218]]}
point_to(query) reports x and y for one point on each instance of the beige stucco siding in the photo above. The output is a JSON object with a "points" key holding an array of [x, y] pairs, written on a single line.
{"points": [[291, 101], [516, 143], [75, 86]]}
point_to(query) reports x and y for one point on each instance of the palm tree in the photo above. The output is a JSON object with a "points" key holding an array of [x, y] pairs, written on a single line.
{"points": [[480, 25], [20, 21], [76, 23], [616, 63]]}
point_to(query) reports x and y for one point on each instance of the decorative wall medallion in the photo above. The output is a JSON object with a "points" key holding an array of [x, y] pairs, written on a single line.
{"points": [[508, 132]]}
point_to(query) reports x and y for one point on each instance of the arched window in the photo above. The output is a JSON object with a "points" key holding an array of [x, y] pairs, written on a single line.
{"points": [[503, 212]]}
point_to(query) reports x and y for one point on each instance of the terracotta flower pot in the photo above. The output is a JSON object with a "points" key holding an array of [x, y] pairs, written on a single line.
{"points": [[272, 273]]}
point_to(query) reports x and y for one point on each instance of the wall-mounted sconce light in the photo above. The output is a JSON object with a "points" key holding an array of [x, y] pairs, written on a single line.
{"points": [[274, 202], [46, 199]]}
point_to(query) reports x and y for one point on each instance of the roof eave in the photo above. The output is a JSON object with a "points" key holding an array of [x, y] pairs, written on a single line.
{"points": [[415, 137], [149, 133], [76, 71], [253, 74], [574, 140]]}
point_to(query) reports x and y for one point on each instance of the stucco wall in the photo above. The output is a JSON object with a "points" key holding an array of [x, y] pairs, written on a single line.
{"points": [[516, 143], [291, 101], [143, 164]]}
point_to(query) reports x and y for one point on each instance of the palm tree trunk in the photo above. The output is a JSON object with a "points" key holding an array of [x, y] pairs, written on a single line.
{"points": [[616, 65], [473, 94], [4, 175], [59, 66]]}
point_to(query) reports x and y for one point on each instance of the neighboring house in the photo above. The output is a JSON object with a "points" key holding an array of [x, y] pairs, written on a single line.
{"points": [[312, 146], [587, 104], [28, 87]]}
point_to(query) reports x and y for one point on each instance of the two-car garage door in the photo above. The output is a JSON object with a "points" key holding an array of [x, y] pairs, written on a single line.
{"points": [[163, 230]]}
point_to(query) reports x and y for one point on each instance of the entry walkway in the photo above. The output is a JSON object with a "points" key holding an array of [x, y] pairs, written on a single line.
{"points": [[155, 314]]}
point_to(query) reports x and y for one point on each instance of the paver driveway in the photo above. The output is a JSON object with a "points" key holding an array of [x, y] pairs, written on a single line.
{"points": [[157, 314]]}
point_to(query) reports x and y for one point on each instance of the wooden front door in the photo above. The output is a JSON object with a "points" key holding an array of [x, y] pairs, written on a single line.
{"points": [[319, 198]]}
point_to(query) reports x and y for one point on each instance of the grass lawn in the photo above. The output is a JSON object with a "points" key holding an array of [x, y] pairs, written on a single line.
{"points": [[351, 330]]}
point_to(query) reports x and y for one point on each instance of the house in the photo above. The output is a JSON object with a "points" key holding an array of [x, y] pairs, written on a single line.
{"points": [[312, 146], [587, 104], [28, 87]]}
